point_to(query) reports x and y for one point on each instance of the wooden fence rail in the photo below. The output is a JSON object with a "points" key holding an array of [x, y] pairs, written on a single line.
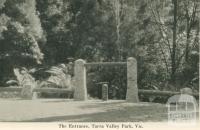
{"points": [[52, 90], [105, 64], [65, 90], [48, 90], [161, 93], [10, 89]]}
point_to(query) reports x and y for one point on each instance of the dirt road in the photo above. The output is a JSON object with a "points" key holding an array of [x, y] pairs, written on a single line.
{"points": [[54, 110]]}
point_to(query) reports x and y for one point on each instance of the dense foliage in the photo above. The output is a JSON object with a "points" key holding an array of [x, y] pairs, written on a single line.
{"points": [[163, 35]]}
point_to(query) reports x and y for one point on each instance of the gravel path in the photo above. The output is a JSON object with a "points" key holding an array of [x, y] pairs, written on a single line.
{"points": [[54, 110]]}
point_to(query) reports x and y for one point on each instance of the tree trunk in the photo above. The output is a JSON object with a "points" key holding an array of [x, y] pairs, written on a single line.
{"points": [[173, 57], [187, 40]]}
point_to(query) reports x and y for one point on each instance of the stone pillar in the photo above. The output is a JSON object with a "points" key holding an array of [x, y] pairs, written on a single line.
{"points": [[132, 89], [27, 91], [35, 95], [105, 92], [80, 90]]}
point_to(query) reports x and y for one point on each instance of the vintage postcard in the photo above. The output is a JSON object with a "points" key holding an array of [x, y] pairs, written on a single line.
{"points": [[99, 64]]}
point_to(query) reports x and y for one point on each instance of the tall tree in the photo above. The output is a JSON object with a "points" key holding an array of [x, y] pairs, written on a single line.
{"points": [[177, 22], [20, 31], [173, 57]]}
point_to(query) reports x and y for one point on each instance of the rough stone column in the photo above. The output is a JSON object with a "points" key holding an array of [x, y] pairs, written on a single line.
{"points": [[27, 91], [132, 89], [35, 95], [80, 90]]}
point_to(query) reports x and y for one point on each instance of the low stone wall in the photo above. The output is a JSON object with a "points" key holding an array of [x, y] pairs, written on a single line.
{"points": [[10, 94]]}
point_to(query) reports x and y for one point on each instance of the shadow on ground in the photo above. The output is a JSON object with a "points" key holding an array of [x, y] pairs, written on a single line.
{"points": [[113, 112]]}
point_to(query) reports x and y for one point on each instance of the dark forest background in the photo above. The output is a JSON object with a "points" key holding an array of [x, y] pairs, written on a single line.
{"points": [[42, 38]]}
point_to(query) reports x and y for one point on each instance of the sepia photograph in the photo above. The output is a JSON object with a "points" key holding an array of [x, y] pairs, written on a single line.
{"points": [[99, 61]]}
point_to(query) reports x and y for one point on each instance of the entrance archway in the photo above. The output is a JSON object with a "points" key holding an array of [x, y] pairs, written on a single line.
{"points": [[80, 69]]}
